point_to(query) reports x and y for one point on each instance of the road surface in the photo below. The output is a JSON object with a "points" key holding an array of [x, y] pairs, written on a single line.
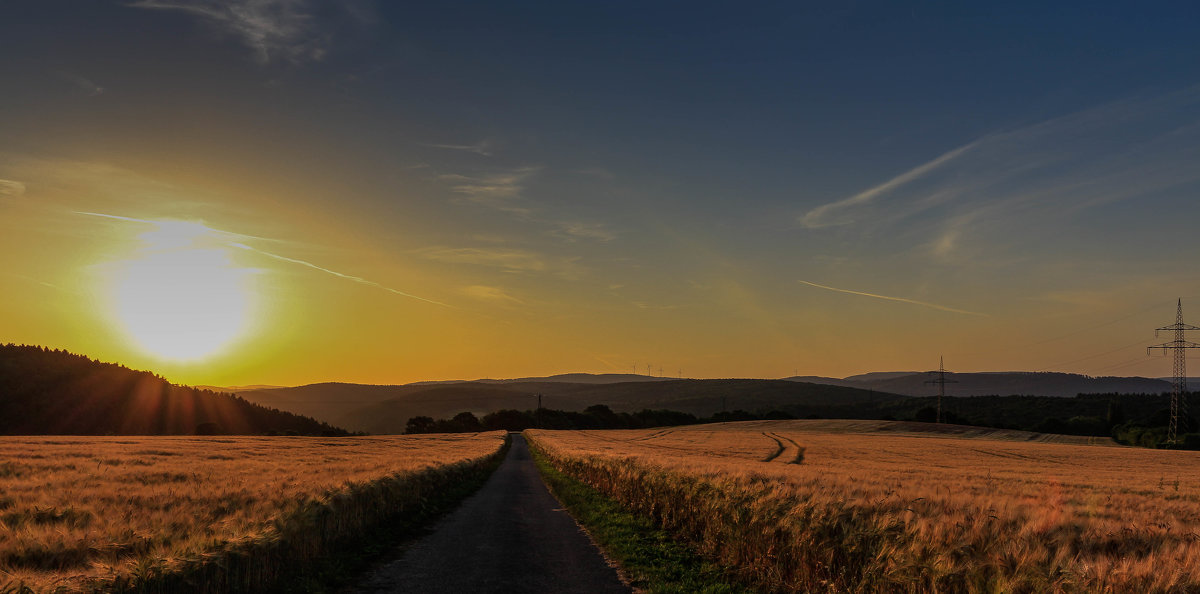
{"points": [[510, 536]]}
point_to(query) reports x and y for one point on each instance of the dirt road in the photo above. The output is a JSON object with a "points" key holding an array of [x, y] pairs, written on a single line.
{"points": [[511, 536]]}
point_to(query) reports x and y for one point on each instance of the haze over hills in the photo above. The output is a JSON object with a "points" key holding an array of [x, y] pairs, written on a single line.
{"points": [[51, 392], [234, 389], [572, 378], [46, 391], [386, 409], [1003, 383]]}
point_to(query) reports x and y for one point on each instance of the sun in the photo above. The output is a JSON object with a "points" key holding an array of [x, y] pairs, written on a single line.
{"points": [[181, 297]]}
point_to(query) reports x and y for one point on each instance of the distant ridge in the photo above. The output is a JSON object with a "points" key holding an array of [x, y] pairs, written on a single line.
{"points": [[569, 378], [235, 389], [1002, 383], [386, 409], [54, 392]]}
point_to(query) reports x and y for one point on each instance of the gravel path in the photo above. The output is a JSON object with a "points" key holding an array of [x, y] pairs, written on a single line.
{"points": [[510, 536]]}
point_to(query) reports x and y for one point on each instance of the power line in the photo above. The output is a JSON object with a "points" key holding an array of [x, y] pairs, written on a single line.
{"points": [[1109, 352], [941, 381], [1178, 349], [1121, 365], [1069, 334]]}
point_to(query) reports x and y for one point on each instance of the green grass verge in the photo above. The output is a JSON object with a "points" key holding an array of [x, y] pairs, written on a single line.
{"points": [[653, 560]]}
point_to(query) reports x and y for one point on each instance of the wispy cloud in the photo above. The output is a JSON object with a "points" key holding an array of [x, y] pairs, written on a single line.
{"points": [[498, 190], [273, 29], [573, 230], [494, 294], [81, 82], [11, 188], [483, 147], [898, 299], [507, 259], [36, 281], [597, 172], [503, 191], [972, 200], [821, 216]]}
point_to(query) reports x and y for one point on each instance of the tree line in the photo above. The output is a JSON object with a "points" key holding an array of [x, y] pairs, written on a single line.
{"points": [[1139, 420], [597, 416], [50, 391]]}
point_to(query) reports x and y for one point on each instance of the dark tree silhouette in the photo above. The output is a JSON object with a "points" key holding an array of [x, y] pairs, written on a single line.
{"points": [[45, 391]]}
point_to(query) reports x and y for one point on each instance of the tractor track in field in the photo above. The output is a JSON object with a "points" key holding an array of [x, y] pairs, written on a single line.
{"points": [[779, 447]]}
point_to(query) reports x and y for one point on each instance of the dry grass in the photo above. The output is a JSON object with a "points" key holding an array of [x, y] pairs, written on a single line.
{"points": [[884, 507], [124, 512]]}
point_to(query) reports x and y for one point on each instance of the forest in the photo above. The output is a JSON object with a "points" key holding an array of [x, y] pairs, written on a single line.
{"points": [[54, 392]]}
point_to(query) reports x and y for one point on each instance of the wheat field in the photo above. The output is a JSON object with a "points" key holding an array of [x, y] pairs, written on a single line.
{"points": [[874, 506], [80, 513]]}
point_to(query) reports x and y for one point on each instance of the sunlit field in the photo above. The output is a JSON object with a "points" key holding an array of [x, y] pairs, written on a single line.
{"points": [[122, 512], [870, 506]]}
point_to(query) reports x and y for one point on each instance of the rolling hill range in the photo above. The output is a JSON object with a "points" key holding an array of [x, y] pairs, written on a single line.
{"points": [[51, 392], [912, 383], [568, 378], [386, 409]]}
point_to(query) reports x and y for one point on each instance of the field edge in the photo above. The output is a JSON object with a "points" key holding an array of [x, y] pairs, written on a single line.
{"points": [[320, 546], [651, 558]]}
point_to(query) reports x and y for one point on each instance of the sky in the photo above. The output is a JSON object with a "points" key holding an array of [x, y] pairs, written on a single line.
{"points": [[290, 191]]}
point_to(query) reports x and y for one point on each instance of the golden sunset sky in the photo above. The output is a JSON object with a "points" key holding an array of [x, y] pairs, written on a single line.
{"points": [[287, 192]]}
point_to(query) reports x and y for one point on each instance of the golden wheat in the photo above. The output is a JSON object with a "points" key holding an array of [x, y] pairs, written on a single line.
{"points": [[881, 507], [83, 512]]}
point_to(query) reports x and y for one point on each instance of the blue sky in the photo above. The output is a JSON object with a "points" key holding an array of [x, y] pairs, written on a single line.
{"points": [[688, 183]]}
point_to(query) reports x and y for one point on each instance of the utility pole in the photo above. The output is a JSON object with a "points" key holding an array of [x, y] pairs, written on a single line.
{"points": [[1178, 348], [941, 381]]}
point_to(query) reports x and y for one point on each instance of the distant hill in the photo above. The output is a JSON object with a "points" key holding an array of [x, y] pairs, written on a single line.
{"points": [[53, 392], [570, 378], [235, 389], [386, 409], [997, 384]]}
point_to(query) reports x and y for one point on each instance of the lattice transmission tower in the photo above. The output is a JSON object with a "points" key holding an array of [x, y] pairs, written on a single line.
{"points": [[941, 381], [1178, 348]]}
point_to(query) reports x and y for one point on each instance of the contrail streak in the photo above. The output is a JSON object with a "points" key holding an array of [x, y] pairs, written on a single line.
{"points": [[243, 246], [108, 216], [357, 279], [900, 299]]}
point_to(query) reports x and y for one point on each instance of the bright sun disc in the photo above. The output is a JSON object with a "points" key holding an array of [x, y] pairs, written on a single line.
{"points": [[183, 298]]}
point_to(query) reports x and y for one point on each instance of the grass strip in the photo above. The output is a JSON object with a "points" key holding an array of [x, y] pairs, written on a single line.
{"points": [[651, 558]]}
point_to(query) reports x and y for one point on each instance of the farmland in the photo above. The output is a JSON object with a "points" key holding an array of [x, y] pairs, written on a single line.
{"points": [[218, 514], [872, 506]]}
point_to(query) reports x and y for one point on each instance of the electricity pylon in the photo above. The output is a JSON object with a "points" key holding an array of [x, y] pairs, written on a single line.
{"points": [[1178, 348], [941, 381]]}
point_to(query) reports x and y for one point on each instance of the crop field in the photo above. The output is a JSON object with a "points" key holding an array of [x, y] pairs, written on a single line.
{"points": [[215, 514], [875, 506]]}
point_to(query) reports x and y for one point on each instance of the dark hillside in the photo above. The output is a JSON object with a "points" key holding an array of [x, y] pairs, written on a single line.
{"points": [[698, 397], [390, 416], [53, 392], [701, 397]]}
